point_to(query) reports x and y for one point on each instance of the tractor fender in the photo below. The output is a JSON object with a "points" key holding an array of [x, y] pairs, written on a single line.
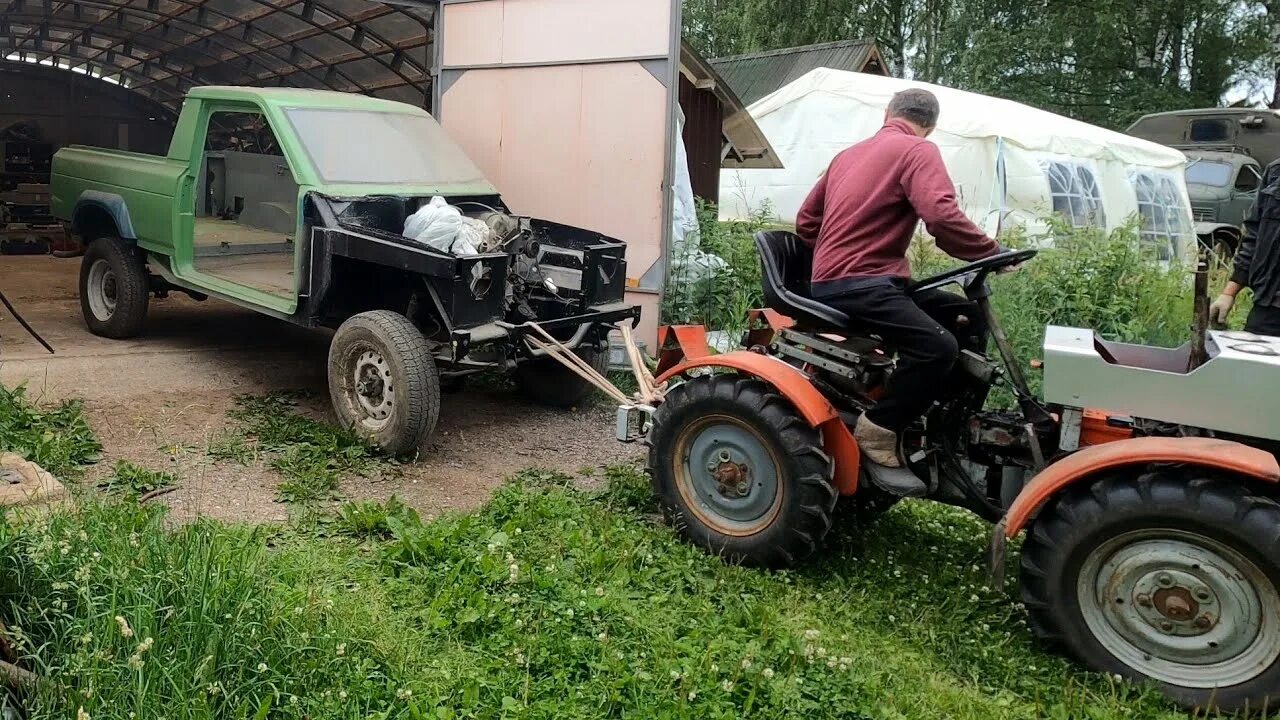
{"points": [[1084, 465], [795, 386], [94, 207]]}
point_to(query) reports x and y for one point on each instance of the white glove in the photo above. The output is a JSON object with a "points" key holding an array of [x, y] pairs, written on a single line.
{"points": [[1220, 310]]}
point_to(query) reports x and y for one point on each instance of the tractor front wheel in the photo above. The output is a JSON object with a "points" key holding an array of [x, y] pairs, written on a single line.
{"points": [[739, 473], [1167, 578]]}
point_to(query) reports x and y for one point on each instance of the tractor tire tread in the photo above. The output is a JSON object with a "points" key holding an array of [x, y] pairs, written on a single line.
{"points": [[1060, 537], [809, 497]]}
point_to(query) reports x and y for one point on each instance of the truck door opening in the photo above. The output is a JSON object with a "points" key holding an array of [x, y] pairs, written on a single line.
{"points": [[246, 214]]}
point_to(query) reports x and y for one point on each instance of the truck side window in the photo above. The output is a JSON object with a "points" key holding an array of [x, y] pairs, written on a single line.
{"points": [[1248, 180], [1209, 131], [1075, 194]]}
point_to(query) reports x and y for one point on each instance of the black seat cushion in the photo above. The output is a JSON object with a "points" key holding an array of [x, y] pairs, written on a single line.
{"points": [[788, 268]]}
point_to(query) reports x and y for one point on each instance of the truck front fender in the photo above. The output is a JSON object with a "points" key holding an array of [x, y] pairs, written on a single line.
{"points": [[94, 207], [795, 386], [1085, 465]]}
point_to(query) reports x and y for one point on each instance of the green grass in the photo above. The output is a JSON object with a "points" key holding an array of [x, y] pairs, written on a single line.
{"points": [[549, 602], [311, 456], [132, 481], [57, 437]]}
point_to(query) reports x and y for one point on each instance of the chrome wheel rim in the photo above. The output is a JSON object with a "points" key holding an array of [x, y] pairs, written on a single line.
{"points": [[1181, 608], [728, 475], [101, 290], [373, 389]]}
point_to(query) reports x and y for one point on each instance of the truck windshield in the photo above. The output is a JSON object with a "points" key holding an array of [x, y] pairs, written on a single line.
{"points": [[362, 146], [1208, 172]]}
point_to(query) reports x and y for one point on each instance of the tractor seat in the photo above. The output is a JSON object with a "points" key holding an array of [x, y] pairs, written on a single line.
{"points": [[788, 266]]}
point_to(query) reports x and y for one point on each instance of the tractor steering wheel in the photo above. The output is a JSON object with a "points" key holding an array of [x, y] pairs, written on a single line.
{"points": [[974, 275]]}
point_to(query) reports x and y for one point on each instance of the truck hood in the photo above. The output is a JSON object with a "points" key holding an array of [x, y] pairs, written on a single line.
{"points": [[355, 191]]}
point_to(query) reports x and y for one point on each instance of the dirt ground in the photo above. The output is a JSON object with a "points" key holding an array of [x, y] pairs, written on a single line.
{"points": [[158, 400]]}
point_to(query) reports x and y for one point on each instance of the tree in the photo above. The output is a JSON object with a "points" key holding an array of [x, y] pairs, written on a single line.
{"points": [[1103, 61]]}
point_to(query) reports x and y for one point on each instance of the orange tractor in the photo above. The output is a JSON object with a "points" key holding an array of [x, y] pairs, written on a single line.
{"points": [[1145, 481]]}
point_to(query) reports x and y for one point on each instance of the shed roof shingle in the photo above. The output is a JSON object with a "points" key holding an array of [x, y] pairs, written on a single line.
{"points": [[755, 75]]}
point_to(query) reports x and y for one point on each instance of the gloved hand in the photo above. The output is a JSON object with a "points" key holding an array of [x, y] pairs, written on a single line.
{"points": [[1220, 309]]}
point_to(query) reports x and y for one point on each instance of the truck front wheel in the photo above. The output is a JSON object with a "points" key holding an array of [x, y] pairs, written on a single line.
{"points": [[383, 381], [113, 288]]}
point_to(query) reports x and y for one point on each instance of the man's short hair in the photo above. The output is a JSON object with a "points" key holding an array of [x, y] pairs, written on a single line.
{"points": [[915, 105]]}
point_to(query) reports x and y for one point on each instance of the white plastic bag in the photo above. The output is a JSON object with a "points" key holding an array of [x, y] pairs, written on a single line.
{"points": [[435, 224], [473, 237]]}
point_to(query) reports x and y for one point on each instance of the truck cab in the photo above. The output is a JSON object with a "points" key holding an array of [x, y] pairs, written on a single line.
{"points": [[1226, 149]]}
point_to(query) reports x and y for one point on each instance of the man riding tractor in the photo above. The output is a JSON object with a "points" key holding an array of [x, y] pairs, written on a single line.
{"points": [[1146, 479], [860, 219]]}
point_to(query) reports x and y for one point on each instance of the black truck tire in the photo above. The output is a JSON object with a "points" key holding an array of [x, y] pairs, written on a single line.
{"points": [[383, 381], [739, 473], [114, 290], [547, 382], [1167, 576]]}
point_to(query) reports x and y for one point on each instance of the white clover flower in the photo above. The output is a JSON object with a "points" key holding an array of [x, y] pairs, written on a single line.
{"points": [[262, 667], [213, 689], [811, 635], [746, 663], [342, 649], [727, 685], [82, 714], [675, 674], [404, 694], [693, 695], [514, 572], [767, 673], [342, 694], [125, 630], [599, 592], [602, 637]]}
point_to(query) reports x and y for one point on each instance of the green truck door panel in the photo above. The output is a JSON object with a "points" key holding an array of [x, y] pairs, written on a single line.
{"points": [[186, 265]]}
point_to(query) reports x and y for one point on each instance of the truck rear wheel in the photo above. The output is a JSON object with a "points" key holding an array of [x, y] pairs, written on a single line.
{"points": [[1167, 578], [114, 289], [547, 382], [739, 473], [383, 381]]}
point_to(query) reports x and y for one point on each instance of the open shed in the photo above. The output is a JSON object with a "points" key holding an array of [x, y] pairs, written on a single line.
{"points": [[503, 76]]}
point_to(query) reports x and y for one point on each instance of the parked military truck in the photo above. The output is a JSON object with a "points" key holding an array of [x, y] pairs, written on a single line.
{"points": [[293, 203], [1226, 149]]}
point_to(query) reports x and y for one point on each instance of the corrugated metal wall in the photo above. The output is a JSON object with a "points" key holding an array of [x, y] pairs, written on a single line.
{"points": [[703, 139]]}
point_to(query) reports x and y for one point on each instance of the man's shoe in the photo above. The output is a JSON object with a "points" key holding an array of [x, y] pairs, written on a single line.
{"points": [[878, 444], [896, 481], [880, 460]]}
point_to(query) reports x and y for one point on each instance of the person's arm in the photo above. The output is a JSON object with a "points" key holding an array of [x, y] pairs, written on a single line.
{"points": [[929, 189], [1220, 309], [809, 219]]}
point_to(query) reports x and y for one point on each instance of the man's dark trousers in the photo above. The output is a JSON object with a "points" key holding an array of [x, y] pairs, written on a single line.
{"points": [[1264, 320], [923, 329]]}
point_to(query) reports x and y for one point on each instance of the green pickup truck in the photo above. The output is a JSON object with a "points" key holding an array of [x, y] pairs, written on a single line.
{"points": [[294, 203]]}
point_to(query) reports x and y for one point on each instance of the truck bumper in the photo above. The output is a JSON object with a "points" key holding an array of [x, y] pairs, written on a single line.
{"points": [[595, 319]]}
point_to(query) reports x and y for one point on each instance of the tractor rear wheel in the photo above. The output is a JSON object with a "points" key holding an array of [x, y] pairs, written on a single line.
{"points": [[1164, 577], [739, 473]]}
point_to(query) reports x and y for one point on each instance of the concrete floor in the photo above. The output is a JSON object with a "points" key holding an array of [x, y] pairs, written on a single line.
{"points": [[206, 345], [159, 399]]}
